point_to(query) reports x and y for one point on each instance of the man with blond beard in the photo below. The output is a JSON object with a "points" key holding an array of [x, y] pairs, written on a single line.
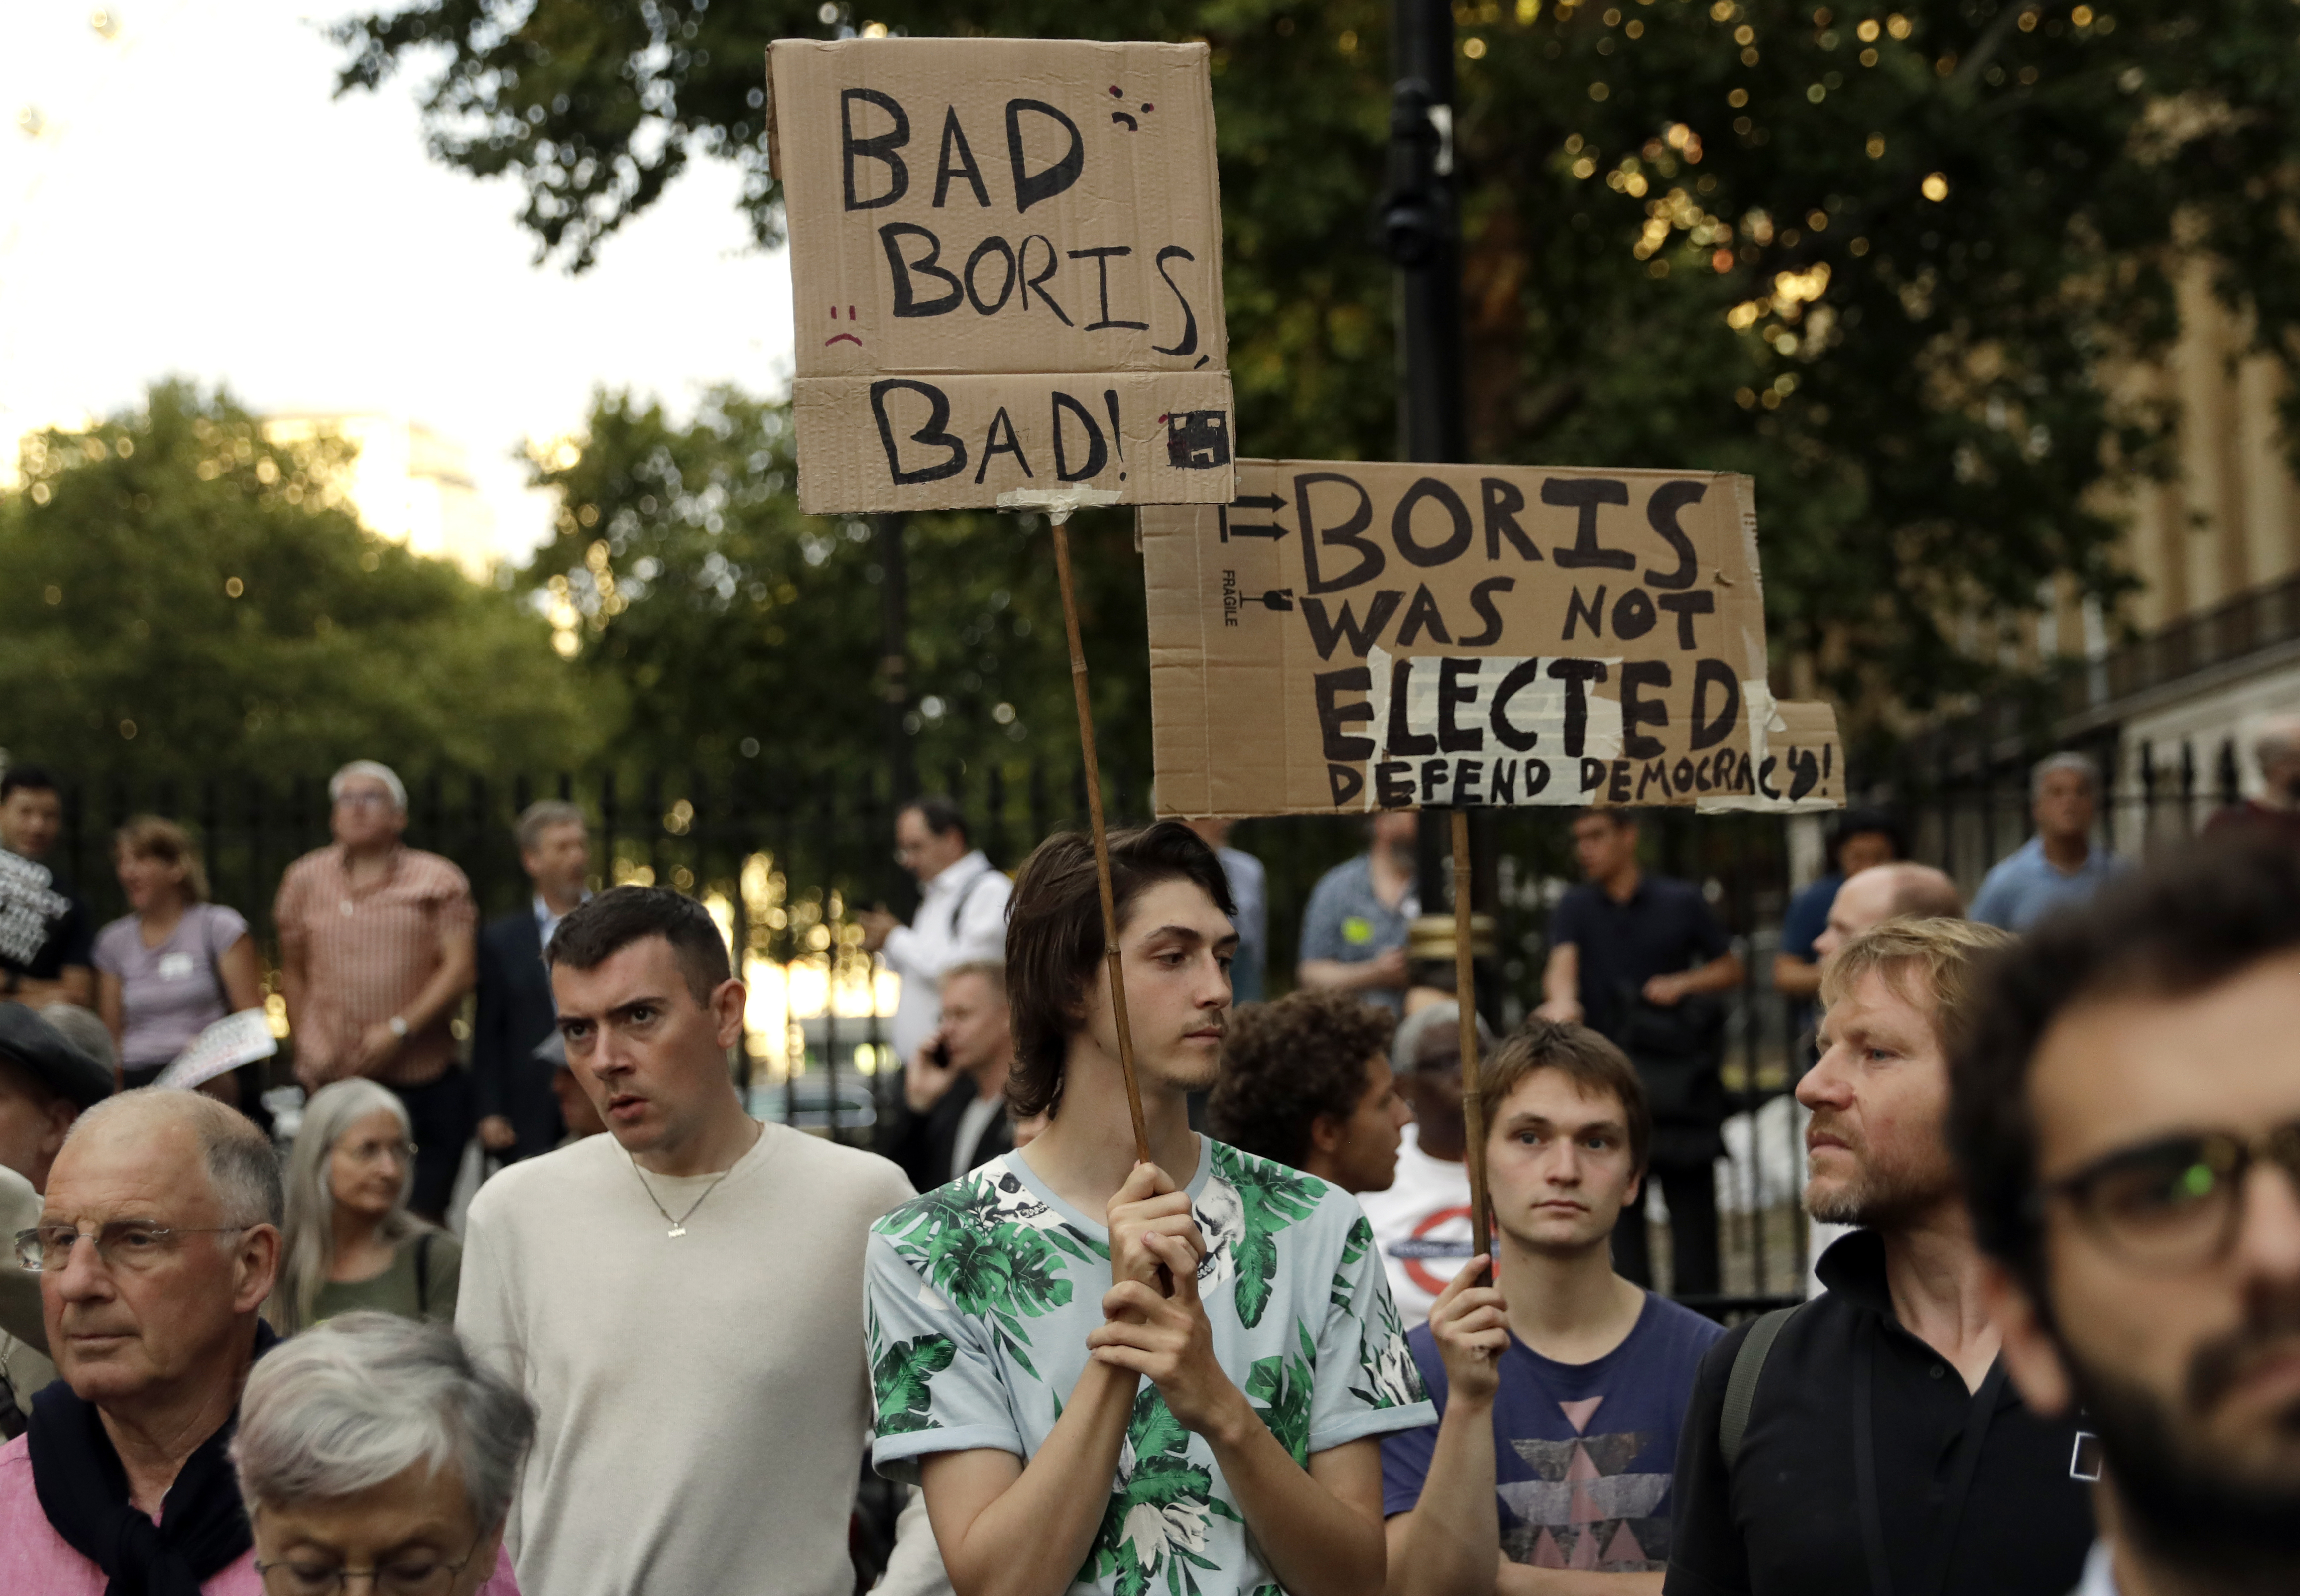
{"points": [[1868, 1440]]}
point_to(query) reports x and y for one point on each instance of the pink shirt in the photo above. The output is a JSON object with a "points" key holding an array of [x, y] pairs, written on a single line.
{"points": [[367, 951], [34, 1557]]}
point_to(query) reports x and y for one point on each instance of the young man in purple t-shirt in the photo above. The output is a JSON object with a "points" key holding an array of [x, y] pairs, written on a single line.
{"points": [[1560, 1390]]}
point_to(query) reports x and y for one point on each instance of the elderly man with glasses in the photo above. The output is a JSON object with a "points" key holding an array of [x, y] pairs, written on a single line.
{"points": [[2128, 1116], [158, 1239], [375, 954]]}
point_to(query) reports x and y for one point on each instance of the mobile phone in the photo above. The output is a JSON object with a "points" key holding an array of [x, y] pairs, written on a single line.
{"points": [[938, 1055]]}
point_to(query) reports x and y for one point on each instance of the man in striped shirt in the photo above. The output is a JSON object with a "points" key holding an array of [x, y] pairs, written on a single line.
{"points": [[376, 953]]}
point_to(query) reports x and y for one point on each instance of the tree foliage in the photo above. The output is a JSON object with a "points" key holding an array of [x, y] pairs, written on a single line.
{"points": [[743, 629], [187, 599], [1889, 263]]}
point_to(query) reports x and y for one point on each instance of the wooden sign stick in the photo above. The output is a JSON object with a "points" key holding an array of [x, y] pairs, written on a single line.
{"points": [[1466, 991], [1059, 514]]}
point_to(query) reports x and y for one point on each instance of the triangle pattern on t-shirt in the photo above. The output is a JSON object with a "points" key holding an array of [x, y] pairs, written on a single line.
{"points": [[1622, 1547], [1580, 1412]]}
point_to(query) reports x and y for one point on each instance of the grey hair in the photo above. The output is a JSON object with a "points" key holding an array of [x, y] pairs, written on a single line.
{"points": [[2080, 763], [367, 1396], [242, 1167], [375, 770], [82, 1029], [540, 817], [2278, 737], [308, 1247], [993, 970]]}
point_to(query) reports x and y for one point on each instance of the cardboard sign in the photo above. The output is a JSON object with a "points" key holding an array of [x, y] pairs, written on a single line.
{"points": [[1006, 269], [1345, 637]]}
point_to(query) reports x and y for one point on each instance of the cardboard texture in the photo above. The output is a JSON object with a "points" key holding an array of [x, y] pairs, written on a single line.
{"points": [[991, 239], [908, 442], [1346, 635]]}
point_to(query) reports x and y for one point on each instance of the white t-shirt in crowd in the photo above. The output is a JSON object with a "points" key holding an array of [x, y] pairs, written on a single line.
{"points": [[1420, 1225], [972, 1121], [962, 919], [704, 1398]]}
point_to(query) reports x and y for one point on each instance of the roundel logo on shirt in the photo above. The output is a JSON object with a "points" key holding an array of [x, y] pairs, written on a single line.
{"points": [[1420, 1247], [1357, 930]]}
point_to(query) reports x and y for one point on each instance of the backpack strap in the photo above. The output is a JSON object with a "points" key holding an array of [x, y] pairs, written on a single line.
{"points": [[423, 1272], [958, 908], [1741, 1384]]}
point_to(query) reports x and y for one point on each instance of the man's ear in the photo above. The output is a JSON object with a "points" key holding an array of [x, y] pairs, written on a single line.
{"points": [[257, 1269], [727, 1000], [1326, 1134], [2031, 1356]]}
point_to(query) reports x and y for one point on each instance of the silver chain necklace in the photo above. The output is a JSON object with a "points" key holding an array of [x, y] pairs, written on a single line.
{"points": [[678, 1225]]}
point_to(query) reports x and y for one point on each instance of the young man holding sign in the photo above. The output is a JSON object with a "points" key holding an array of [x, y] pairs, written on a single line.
{"points": [[1127, 1375], [1563, 1386]]}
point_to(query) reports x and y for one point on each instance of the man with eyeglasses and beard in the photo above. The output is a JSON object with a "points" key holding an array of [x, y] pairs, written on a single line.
{"points": [[2128, 1118], [1869, 1440]]}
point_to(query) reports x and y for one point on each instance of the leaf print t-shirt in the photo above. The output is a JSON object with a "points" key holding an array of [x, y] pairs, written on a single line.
{"points": [[1583, 1453], [982, 1293]]}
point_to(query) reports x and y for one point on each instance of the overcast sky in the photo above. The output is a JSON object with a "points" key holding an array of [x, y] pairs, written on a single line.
{"points": [[194, 203]]}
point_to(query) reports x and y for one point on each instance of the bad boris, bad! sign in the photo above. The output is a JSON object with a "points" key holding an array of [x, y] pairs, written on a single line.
{"points": [[1005, 270], [1344, 637]]}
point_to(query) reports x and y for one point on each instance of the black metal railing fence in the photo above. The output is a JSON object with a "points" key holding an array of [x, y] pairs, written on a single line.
{"points": [[785, 863]]}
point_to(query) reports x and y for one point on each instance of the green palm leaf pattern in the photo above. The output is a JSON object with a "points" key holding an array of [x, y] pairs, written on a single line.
{"points": [[1344, 1293], [1281, 1389], [997, 1269], [1389, 1377], [898, 1380], [1153, 1531], [1274, 1197]]}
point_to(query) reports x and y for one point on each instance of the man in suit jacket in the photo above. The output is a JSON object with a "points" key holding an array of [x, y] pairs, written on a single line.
{"points": [[519, 1114], [953, 1117]]}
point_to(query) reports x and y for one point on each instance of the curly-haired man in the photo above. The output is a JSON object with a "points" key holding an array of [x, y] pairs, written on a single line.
{"points": [[1306, 1081]]}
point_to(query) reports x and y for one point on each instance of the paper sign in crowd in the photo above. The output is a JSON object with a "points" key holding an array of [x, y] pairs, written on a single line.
{"points": [[1007, 270], [1006, 266], [1345, 637]]}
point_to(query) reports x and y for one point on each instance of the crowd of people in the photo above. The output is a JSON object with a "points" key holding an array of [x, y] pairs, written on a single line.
{"points": [[2053, 1343]]}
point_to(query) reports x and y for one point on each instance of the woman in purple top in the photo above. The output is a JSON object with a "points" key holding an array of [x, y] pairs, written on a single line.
{"points": [[174, 966]]}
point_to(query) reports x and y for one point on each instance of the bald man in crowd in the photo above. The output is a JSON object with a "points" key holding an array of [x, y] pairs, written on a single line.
{"points": [[157, 1243], [1884, 893]]}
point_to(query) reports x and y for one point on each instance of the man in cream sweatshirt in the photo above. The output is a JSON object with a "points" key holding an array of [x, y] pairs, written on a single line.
{"points": [[682, 1298]]}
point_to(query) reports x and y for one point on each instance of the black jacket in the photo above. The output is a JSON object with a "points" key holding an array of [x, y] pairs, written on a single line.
{"points": [[1959, 1493], [515, 1012], [922, 1142]]}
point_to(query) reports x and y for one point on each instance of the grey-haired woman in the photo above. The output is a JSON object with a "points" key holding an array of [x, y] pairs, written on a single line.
{"points": [[379, 1446], [351, 1244]]}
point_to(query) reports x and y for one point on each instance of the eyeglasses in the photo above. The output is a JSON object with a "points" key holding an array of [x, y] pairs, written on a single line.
{"points": [[364, 800], [367, 1152], [2176, 1204], [417, 1574], [130, 1245]]}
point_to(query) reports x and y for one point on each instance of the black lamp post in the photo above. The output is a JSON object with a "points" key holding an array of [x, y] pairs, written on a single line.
{"points": [[1420, 227]]}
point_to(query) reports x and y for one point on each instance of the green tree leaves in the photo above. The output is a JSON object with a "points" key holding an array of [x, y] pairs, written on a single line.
{"points": [[188, 600], [1651, 191], [682, 560]]}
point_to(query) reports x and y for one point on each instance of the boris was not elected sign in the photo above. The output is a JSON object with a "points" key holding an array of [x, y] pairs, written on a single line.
{"points": [[1344, 637], [1006, 270]]}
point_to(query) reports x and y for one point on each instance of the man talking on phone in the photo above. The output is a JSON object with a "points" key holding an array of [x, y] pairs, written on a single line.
{"points": [[953, 1117]]}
